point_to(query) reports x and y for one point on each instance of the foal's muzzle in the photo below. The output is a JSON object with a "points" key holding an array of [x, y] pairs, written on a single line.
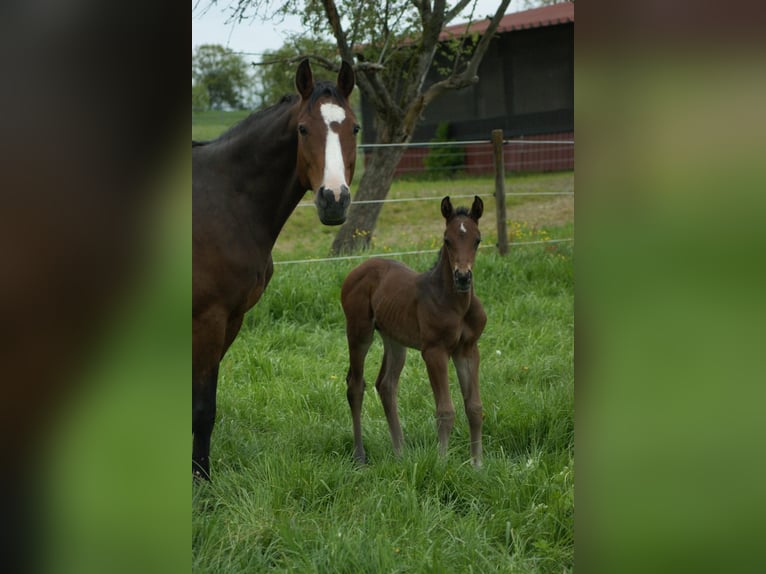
{"points": [[332, 210], [463, 280]]}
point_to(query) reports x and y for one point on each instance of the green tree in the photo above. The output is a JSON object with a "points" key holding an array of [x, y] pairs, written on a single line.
{"points": [[274, 79], [200, 98], [223, 73], [393, 44]]}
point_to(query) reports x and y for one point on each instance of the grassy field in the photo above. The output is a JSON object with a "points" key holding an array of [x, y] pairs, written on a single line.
{"points": [[286, 495]]}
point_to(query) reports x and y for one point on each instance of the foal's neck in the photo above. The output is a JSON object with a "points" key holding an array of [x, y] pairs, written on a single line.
{"points": [[442, 280]]}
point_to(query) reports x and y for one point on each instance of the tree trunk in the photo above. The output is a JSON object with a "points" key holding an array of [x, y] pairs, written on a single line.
{"points": [[356, 233]]}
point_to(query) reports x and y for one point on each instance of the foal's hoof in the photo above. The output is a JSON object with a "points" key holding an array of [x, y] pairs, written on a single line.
{"points": [[360, 459]]}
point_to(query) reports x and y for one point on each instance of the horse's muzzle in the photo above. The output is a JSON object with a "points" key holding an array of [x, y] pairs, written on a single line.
{"points": [[332, 207], [463, 280]]}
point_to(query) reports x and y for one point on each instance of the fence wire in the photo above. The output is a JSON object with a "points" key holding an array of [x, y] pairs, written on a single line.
{"points": [[475, 157], [418, 252]]}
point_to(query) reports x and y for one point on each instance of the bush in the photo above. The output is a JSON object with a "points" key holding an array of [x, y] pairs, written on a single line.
{"points": [[444, 160]]}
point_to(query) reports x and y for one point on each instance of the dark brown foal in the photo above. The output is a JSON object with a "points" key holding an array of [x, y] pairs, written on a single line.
{"points": [[435, 312]]}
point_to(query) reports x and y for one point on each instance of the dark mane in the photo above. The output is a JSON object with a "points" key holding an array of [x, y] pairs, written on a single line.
{"points": [[322, 89], [245, 123], [462, 211], [257, 116]]}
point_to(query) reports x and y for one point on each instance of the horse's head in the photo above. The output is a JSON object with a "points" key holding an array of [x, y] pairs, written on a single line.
{"points": [[327, 131], [461, 240]]}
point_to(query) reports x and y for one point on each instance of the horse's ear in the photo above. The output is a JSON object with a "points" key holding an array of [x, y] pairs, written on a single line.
{"points": [[304, 79], [345, 79], [477, 208], [447, 210]]}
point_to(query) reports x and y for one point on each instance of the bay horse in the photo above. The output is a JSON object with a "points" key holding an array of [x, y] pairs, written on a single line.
{"points": [[245, 184], [436, 312]]}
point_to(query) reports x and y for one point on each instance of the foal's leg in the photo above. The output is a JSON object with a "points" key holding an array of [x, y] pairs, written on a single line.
{"points": [[466, 362], [359, 334], [437, 362], [387, 385]]}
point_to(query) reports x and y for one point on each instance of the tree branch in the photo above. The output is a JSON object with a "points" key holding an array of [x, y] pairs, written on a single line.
{"points": [[456, 9], [478, 55], [331, 10], [468, 76], [321, 60], [369, 80], [455, 81]]}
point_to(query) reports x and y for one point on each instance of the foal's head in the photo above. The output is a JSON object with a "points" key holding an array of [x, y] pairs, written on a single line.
{"points": [[327, 131], [461, 240]]}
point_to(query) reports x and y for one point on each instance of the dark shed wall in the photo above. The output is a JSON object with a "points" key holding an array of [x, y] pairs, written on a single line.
{"points": [[526, 87]]}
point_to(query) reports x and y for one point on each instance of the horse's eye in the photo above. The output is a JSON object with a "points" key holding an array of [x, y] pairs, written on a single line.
{"points": [[302, 130], [356, 129], [478, 240], [446, 242]]}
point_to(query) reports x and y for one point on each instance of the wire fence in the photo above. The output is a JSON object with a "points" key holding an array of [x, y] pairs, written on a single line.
{"points": [[416, 252], [475, 157], [501, 153]]}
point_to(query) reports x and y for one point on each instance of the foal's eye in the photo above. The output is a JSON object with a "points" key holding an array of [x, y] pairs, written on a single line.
{"points": [[356, 129], [446, 242], [477, 243], [302, 130]]}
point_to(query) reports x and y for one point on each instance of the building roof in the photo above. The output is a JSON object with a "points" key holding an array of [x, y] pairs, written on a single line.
{"points": [[535, 18]]}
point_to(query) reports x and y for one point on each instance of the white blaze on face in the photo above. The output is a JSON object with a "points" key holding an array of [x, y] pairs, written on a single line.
{"points": [[463, 230], [334, 170]]}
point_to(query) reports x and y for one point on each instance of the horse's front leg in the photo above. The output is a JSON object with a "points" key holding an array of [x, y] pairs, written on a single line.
{"points": [[466, 361], [437, 361], [207, 348], [203, 420]]}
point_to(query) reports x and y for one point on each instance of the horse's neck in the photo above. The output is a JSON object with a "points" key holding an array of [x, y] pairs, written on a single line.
{"points": [[265, 157]]}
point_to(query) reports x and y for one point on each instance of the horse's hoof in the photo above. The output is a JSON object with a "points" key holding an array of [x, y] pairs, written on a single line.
{"points": [[199, 473]]}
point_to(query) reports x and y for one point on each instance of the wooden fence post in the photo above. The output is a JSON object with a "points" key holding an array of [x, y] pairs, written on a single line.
{"points": [[497, 152]]}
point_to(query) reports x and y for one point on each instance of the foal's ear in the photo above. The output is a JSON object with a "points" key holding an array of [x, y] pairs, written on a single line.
{"points": [[447, 210], [345, 79], [304, 79], [477, 208]]}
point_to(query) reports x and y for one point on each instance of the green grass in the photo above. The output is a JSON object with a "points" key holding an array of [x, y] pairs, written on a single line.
{"points": [[417, 225], [286, 496]]}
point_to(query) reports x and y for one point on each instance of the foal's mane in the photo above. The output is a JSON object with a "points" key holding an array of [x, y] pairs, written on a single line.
{"points": [[321, 89], [462, 211]]}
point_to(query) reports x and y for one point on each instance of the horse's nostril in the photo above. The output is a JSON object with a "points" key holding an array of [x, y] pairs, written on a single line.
{"points": [[321, 198]]}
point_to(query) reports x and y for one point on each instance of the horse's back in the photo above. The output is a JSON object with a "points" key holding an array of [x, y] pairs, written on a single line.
{"points": [[374, 274], [383, 293]]}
